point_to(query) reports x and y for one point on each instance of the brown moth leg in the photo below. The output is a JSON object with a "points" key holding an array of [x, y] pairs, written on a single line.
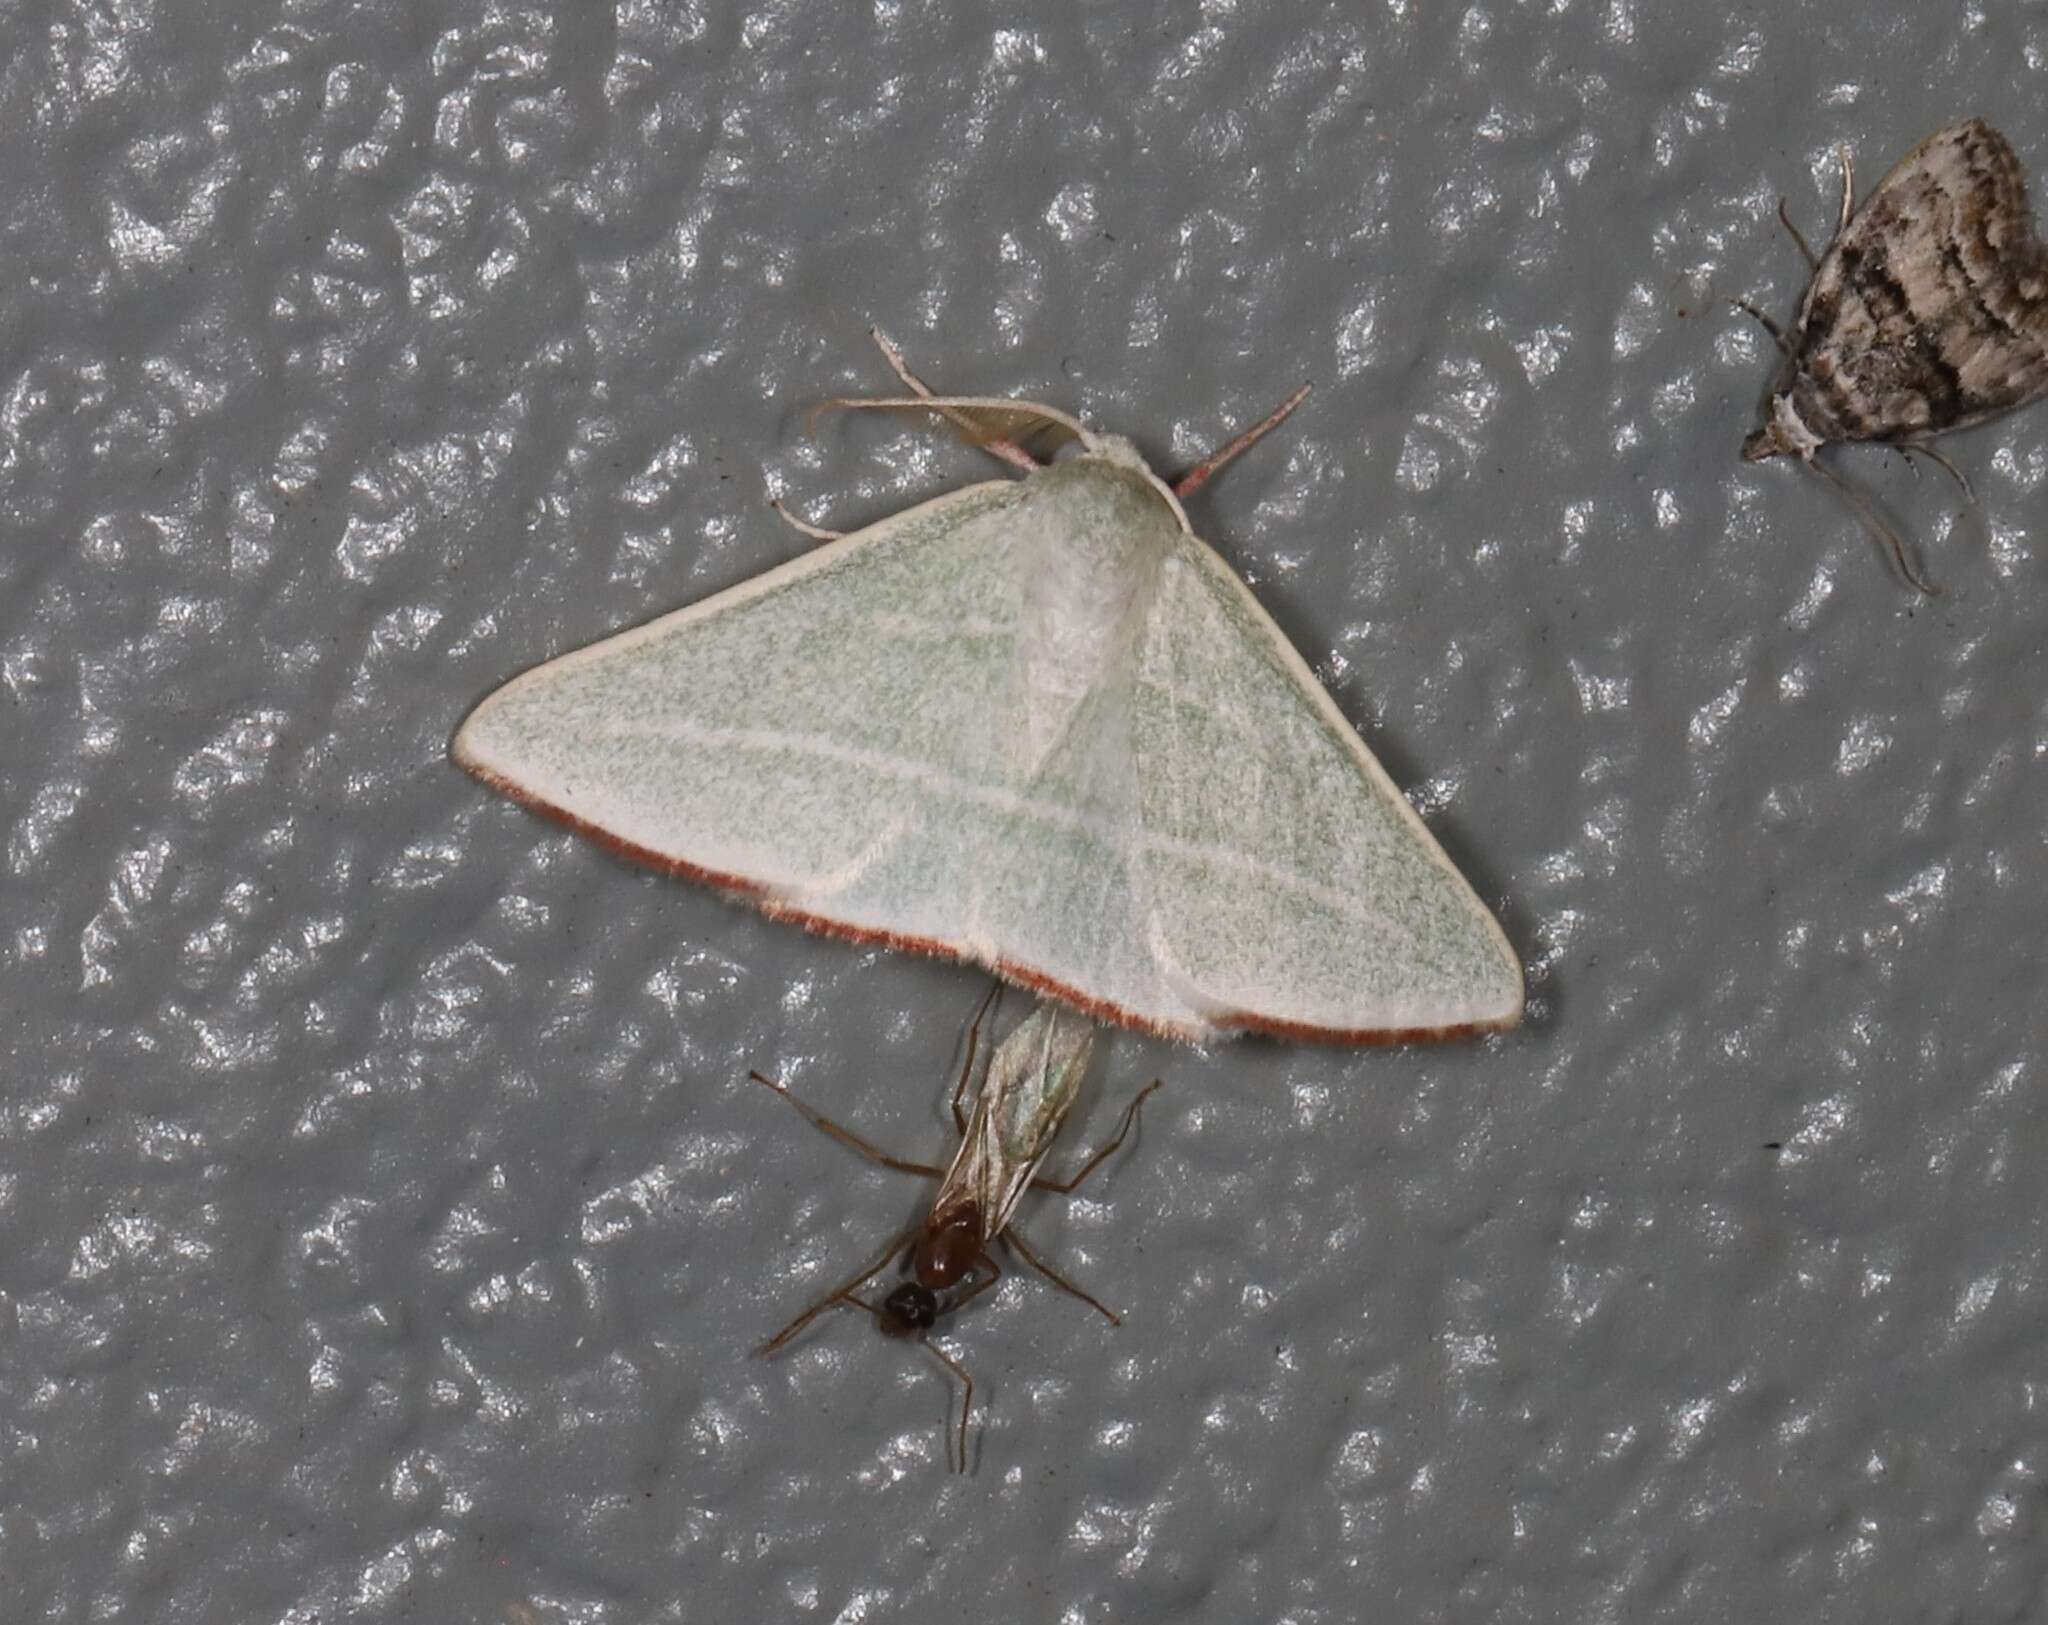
{"points": [[1936, 455], [1007, 451], [1871, 517]]}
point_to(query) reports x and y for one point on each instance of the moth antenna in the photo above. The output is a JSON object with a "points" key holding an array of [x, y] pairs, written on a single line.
{"points": [[1777, 333], [1198, 476], [1872, 518], [816, 533], [1785, 220]]}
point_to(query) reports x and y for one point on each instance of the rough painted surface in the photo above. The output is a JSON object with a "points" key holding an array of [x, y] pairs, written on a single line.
{"points": [[387, 1214]]}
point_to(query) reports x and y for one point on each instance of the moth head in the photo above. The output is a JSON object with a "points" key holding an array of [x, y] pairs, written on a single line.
{"points": [[1114, 448], [1783, 434]]}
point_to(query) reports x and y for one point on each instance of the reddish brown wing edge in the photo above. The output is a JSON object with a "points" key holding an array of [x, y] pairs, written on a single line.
{"points": [[1025, 976]]}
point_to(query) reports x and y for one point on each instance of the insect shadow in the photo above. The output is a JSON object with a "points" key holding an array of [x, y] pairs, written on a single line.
{"points": [[1027, 1090]]}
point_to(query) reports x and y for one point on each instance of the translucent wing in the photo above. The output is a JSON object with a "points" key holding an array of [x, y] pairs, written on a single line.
{"points": [[1030, 1087]]}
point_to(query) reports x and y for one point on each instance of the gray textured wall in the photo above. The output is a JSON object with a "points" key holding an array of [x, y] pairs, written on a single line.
{"points": [[387, 1215]]}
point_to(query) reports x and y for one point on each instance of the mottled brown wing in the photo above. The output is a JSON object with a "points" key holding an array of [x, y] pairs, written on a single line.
{"points": [[1929, 311]]}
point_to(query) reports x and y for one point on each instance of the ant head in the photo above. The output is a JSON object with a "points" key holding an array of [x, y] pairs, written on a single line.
{"points": [[946, 1253], [908, 1310]]}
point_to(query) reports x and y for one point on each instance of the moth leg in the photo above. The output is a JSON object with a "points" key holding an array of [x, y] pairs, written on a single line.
{"points": [[1785, 220], [1777, 333], [843, 1293], [1007, 451], [967, 1066], [817, 533], [1954, 473], [1198, 476], [1067, 1187], [1871, 517], [1848, 190], [897, 364], [846, 1136], [1012, 1239]]}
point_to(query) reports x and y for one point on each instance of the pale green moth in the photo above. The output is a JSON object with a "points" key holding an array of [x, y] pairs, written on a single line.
{"points": [[1025, 1096], [1037, 724]]}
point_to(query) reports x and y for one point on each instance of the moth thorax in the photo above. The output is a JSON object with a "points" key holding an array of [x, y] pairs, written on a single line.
{"points": [[1114, 448], [945, 1254], [1088, 550]]}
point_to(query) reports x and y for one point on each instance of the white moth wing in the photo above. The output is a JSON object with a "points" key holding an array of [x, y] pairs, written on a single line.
{"points": [[1295, 888], [792, 738], [1034, 724]]}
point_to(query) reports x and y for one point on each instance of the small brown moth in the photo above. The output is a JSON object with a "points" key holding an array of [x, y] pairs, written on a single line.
{"points": [[1928, 312], [1031, 1084]]}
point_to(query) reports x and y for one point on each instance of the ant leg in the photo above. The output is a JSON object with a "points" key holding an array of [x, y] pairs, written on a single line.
{"points": [[1198, 476], [843, 1293], [1013, 1239], [846, 1136], [1067, 1187], [966, 1399], [952, 1365]]}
